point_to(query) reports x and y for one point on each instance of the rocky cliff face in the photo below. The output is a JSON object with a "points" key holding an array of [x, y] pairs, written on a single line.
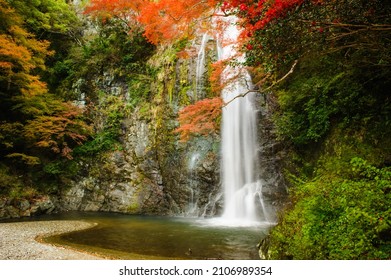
{"points": [[271, 154], [151, 172]]}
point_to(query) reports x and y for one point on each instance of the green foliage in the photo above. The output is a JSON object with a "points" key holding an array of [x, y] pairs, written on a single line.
{"points": [[9, 135], [26, 159], [54, 21], [22, 192], [123, 55], [7, 180], [103, 141], [48, 15], [340, 210], [61, 167], [357, 28], [323, 92], [115, 46], [14, 185], [116, 49], [30, 116], [108, 115], [339, 217], [335, 110], [111, 108], [139, 89]]}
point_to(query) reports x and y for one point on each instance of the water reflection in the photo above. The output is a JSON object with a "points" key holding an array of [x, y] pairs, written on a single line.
{"points": [[132, 237]]}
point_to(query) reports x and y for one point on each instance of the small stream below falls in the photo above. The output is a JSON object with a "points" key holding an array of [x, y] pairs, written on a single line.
{"points": [[144, 237]]}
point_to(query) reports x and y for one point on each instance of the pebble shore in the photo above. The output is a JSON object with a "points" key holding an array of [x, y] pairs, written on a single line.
{"points": [[18, 241]]}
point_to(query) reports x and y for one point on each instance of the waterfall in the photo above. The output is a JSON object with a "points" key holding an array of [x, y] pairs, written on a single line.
{"points": [[200, 70], [192, 208], [242, 186], [241, 182]]}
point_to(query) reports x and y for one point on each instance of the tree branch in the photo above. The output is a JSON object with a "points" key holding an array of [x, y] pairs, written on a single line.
{"points": [[378, 27], [266, 89]]}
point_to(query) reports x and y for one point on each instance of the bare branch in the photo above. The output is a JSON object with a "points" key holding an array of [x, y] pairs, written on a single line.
{"points": [[240, 95], [284, 77], [378, 27], [266, 89]]}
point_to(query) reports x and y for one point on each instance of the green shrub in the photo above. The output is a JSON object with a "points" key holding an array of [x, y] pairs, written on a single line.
{"points": [[103, 141], [339, 217], [319, 94]]}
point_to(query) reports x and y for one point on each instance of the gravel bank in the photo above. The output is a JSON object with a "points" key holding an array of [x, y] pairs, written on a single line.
{"points": [[18, 241]]}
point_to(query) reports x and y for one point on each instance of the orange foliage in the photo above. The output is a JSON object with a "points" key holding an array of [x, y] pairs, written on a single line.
{"points": [[216, 74], [166, 20], [20, 53], [126, 10], [163, 20], [19, 57], [200, 118], [34, 118], [34, 87], [109, 8], [58, 131]]}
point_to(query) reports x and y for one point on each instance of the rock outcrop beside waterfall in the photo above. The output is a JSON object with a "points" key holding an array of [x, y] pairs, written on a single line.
{"points": [[271, 154], [150, 173]]}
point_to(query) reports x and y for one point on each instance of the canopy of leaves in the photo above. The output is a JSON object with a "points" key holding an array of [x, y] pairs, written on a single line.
{"points": [[168, 20], [59, 130], [126, 11], [20, 54], [163, 21], [200, 118], [36, 127], [275, 33], [48, 15]]}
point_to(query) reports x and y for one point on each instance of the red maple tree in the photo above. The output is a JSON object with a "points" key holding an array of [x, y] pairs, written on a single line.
{"points": [[200, 118], [163, 21]]}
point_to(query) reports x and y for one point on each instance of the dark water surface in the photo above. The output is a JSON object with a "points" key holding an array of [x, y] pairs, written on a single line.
{"points": [[144, 237]]}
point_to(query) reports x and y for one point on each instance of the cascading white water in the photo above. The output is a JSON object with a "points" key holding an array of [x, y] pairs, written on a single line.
{"points": [[242, 188], [243, 202], [192, 208], [200, 70]]}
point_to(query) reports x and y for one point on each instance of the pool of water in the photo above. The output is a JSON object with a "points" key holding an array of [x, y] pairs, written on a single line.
{"points": [[144, 237]]}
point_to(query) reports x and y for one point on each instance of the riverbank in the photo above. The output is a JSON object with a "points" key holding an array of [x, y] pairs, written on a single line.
{"points": [[20, 241]]}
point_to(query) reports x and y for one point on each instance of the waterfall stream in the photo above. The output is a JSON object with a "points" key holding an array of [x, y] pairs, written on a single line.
{"points": [[242, 186], [192, 209], [240, 168], [200, 70]]}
